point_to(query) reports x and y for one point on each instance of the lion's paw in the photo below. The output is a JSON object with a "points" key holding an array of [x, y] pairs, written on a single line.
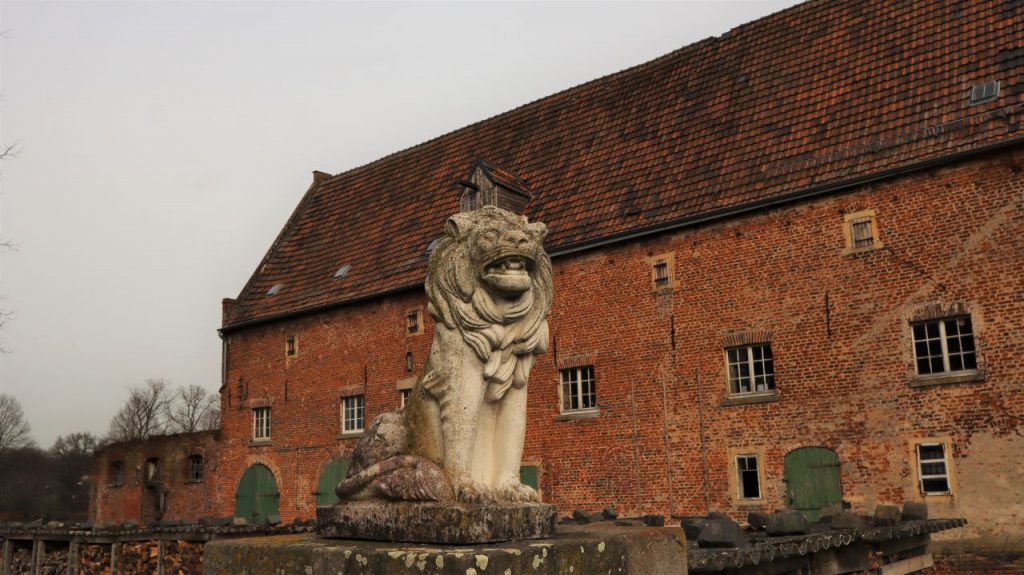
{"points": [[470, 491], [515, 491]]}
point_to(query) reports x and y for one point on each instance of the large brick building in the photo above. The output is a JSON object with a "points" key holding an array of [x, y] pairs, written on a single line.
{"points": [[787, 271]]}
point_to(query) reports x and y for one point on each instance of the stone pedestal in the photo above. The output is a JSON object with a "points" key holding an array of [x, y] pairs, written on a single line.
{"points": [[436, 523], [576, 550]]}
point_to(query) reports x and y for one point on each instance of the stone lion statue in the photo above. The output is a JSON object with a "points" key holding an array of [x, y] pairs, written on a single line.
{"points": [[460, 436]]}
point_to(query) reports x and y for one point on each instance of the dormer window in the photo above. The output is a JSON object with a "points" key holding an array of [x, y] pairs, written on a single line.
{"points": [[489, 185]]}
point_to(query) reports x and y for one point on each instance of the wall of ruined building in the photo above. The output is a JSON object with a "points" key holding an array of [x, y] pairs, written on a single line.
{"points": [[953, 241], [135, 499]]}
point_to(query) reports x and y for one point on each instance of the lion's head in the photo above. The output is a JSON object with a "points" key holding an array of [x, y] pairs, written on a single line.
{"points": [[490, 279]]}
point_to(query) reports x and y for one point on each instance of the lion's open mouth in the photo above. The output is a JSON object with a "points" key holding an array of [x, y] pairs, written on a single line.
{"points": [[510, 274]]}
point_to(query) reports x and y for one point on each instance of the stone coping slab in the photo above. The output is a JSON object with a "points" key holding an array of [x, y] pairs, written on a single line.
{"points": [[436, 523], [600, 548]]}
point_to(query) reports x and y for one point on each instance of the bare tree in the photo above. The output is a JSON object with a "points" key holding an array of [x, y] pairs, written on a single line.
{"points": [[14, 430], [193, 409], [74, 444], [143, 414]]}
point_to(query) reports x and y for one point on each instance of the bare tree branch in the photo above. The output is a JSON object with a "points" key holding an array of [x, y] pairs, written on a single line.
{"points": [[14, 430], [193, 409], [143, 414]]}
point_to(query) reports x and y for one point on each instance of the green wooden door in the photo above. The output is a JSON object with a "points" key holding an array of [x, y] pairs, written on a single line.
{"points": [[812, 480], [257, 495], [335, 471], [530, 475]]}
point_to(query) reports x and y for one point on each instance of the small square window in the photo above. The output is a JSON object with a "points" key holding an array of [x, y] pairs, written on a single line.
{"points": [[414, 322], [261, 423], [662, 271], [194, 472], [748, 477], [352, 414], [290, 348], [933, 471], [861, 232], [579, 388], [944, 345], [404, 395], [751, 369]]}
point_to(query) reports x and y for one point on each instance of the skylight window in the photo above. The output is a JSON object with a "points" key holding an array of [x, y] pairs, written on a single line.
{"points": [[984, 92], [342, 271], [274, 289]]}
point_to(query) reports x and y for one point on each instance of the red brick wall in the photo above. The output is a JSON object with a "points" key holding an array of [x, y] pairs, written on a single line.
{"points": [[954, 238], [134, 500]]}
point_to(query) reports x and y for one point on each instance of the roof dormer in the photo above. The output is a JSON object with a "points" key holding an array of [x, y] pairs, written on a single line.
{"points": [[489, 185]]}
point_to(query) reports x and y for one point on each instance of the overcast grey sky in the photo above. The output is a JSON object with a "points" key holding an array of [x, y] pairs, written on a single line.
{"points": [[163, 145]]}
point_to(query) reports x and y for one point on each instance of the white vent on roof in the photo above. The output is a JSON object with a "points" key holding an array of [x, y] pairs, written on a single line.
{"points": [[342, 271], [274, 289], [433, 244], [984, 92]]}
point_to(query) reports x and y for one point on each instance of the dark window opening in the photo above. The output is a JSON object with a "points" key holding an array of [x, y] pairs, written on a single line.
{"points": [[748, 479], [194, 473]]}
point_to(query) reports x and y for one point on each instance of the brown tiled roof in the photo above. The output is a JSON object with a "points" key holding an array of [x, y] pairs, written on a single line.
{"points": [[823, 92]]}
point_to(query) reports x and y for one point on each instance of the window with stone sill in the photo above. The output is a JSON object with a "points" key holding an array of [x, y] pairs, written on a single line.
{"points": [[261, 424], [404, 395], [860, 230], [933, 469], [579, 389], [353, 412], [413, 322], [944, 346], [748, 479], [751, 369]]}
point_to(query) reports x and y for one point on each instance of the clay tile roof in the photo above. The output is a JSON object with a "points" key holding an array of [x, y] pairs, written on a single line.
{"points": [[824, 92]]}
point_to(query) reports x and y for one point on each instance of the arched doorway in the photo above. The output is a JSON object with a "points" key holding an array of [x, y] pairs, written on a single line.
{"points": [[257, 495], [335, 471], [812, 480]]}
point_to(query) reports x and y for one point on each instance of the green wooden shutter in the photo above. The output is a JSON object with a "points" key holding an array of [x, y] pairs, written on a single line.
{"points": [[335, 471], [530, 475], [812, 480]]}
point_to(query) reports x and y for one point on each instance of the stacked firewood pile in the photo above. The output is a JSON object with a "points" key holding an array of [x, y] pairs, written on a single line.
{"points": [[94, 560], [183, 558], [21, 561], [55, 560], [139, 557]]}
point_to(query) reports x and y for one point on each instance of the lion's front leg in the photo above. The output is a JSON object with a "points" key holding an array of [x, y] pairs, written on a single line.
{"points": [[508, 447]]}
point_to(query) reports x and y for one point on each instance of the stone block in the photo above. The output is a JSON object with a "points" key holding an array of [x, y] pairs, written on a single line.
{"points": [[693, 525], [915, 510], [239, 521], [436, 523], [273, 520], [758, 519], [787, 522], [850, 520], [594, 548], [722, 533], [581, 516], [887, 515], [829, 512], [609, 513]]}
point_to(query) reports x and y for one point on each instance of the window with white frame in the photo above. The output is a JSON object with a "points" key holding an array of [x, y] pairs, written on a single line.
{"points": [[261, 423], [933, 470], [579, 388], [405, 394], [748, 479], [944, 345], [353, 414], [751, 369]]}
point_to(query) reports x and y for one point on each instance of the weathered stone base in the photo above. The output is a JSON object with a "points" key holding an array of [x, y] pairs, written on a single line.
{"points": [[437, 523], [601, 548]]}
